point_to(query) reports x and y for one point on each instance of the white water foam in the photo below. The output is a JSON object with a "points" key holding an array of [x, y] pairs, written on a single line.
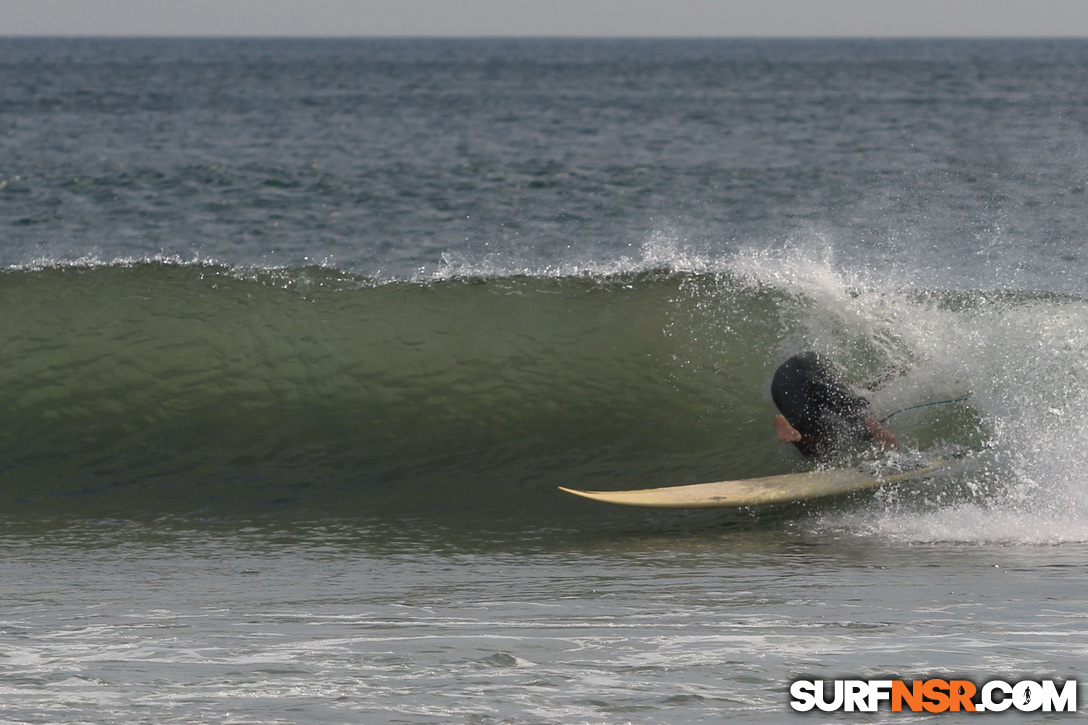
{"points": [[1019, 354]]}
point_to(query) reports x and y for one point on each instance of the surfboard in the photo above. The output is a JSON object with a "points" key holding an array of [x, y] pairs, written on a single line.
{"points": [[785, 488]]}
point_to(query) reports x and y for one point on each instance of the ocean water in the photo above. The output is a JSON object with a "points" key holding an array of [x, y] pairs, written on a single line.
{"points": [[300, 337]]}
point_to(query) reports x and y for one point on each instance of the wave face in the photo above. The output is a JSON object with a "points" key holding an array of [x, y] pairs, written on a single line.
{"points": [[157, 385], [159, 388]]}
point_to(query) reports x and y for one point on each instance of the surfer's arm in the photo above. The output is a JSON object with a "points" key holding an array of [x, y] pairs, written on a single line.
{"points": [[786, 433], [881, 435]]}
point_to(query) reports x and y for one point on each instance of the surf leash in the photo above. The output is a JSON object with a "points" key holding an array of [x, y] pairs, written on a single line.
{"points": [[923, 405]]}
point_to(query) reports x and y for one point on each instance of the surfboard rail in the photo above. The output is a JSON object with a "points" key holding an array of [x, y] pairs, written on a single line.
{"points": [[763, 491]]}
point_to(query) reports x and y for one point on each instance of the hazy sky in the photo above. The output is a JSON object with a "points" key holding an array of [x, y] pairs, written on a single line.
{"points": [[547, 17]]}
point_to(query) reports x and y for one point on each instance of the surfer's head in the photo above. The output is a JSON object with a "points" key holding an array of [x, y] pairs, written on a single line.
{"points": [[817, 401]]}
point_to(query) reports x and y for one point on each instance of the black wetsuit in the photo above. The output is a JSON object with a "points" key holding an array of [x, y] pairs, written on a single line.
{"points": [[818, 402]]}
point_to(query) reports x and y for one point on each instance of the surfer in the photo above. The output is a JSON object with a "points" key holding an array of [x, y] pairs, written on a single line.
{"points": [[819, 410]]}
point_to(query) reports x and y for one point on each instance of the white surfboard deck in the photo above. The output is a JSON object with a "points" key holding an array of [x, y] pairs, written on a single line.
{"points": [[786, 488]]}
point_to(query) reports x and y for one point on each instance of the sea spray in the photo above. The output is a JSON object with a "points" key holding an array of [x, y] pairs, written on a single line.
{"points": [[1020, 357]]}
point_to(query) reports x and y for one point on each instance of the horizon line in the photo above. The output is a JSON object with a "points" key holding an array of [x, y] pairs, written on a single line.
{"points": [[511, 36]]}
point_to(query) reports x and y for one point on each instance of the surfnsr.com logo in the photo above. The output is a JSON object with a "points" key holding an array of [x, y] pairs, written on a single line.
{"points": [[934, 695]]}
